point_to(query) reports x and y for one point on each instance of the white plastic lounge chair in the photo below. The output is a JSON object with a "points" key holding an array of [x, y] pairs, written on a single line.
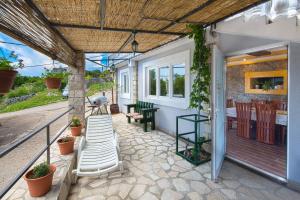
{"points": [[98, 153], [97, 158], [99, 129]]}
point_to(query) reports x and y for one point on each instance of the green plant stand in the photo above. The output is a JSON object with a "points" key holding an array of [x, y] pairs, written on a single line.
{"points": [[196, 155]]}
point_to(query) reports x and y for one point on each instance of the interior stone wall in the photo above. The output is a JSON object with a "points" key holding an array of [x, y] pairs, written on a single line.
{"points": [[236, 80]]}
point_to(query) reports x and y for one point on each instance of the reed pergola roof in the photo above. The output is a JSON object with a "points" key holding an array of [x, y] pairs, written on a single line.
{"points": [[65, 26]]}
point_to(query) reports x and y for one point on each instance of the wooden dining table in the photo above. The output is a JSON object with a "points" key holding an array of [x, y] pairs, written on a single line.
{"points": [[281, 115]]}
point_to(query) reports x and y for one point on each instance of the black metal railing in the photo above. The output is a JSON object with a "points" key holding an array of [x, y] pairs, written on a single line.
{"points": [[39, 154]]}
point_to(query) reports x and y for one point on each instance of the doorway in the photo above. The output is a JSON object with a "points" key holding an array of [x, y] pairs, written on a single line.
{"points": [[256, 109]]}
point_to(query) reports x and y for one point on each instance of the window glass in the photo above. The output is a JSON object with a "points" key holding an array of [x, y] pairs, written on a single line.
{"points": [[152, 82], [125, 82], [164, 81], [178, 80]]}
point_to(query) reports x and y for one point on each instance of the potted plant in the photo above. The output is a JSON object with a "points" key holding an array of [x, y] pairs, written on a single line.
{"points": [[8, 72], [66, 145], [53, 79], [268, 85], [39, 179], [75, 126]]}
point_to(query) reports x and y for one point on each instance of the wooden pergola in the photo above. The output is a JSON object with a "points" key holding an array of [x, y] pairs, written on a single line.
{"points": [[60, 28]]}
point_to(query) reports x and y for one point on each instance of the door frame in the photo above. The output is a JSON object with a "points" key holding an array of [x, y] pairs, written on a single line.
{"points": [[245, 51]]}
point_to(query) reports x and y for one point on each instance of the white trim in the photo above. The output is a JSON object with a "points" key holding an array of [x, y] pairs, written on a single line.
{"points": [[124, 95], [174, 59], [259, 48]]}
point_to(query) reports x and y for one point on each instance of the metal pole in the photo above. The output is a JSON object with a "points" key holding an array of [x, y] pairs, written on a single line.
{"points": [[48, 145]]}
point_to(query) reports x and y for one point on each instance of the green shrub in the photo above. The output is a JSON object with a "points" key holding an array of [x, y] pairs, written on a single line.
{"points": [[98, 87], [50, 74], [75, 122], [20, 91], [40, 170], [41, 98]]}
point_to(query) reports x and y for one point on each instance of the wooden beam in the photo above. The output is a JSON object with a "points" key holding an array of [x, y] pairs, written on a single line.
{"points": [[102, 13], [22, 21], [195, 10], [115, 29]]}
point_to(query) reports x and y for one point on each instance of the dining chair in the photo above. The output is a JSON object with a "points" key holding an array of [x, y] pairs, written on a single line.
{"points": [[257, 101], [265, 123], [230, 120], [281, 105], [243, 111]]}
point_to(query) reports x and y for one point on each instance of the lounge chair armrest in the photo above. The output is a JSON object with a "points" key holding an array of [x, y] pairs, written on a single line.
{"points": [[81, 145]]}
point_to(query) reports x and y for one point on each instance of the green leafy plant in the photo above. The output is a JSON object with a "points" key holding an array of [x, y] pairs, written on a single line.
{"points": [[75, 122], [50, 74], [6, 64], [268, 85], [65, 139], [201, 86], [40, 170]]}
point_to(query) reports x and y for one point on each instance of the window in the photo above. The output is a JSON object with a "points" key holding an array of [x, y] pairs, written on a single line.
{"points": [[164, 81], [125, 82], [178, 80], [152, 82]]}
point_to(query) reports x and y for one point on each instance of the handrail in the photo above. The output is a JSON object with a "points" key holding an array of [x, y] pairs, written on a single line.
{"points": [[37, 156], [27, 137]]}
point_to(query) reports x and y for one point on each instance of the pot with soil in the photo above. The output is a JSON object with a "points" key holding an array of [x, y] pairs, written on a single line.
{"points": [[53, 83], [76, 126], [39, 179], [53, 79], [7, 75], [66, 145]]}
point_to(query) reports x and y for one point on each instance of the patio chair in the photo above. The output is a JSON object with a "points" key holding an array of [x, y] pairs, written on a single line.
{"points": [[144, 112], [95, 159], [98, 152], [243, 119], [265, 122]]}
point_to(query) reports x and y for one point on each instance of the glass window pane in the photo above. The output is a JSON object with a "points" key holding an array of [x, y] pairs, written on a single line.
{"points": [[152, 82], [125, 83], [164, 81], [178, 81]]}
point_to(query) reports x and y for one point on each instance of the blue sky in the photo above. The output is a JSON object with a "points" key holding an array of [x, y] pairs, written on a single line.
{"points": [[31, 57]]}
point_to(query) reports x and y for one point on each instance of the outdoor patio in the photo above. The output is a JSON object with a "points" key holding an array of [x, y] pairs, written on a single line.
{"points": [[153, 171]]}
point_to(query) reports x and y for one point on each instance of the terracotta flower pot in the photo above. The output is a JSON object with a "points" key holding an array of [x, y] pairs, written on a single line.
{"points": [[66, 147], [53, 83], [7, 78], [40, 186], [76, 130], [114, 108]]}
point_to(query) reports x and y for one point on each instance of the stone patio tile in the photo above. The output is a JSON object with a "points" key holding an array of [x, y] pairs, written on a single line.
{"points": [[154, 171]]}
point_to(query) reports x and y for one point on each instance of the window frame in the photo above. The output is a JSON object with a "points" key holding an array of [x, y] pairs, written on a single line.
{"points": [[169, 78], [123, 72], [181, 58]]}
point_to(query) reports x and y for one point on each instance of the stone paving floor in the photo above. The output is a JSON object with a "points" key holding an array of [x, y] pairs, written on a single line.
{"points": [[153, 171]]}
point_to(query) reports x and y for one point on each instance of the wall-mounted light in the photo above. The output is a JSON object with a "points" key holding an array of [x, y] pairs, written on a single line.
{"points": [[134, 44]]}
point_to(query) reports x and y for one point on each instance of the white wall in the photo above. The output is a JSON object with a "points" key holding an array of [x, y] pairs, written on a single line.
{"points": [[281, 29], [168, 110]]}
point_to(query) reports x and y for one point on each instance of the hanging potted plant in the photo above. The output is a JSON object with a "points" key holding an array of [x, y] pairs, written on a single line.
{"points": [[39, 179], [76, 126], [8, 72], [53, 79], [66, 145]]}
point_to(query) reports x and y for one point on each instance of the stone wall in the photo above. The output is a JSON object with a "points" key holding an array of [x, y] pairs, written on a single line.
{"points": [[236, 80]]}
